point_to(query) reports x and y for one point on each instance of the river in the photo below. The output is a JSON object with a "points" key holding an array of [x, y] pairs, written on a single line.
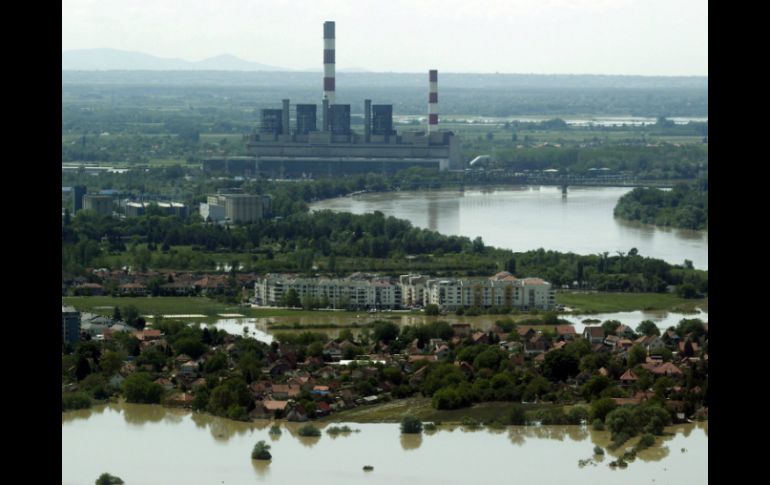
{"points": [[523, 218], [150, 444]]}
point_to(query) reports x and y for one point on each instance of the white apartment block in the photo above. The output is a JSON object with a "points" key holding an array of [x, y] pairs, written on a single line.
{"points": [[361, 291], [358, 292]]}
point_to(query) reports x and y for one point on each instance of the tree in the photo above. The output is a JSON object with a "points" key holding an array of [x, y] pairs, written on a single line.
{"points": [[648, 328], [111, 362], [602, 407], [385, 331], [130, 314], [116, 315], [107, 479], [560, 365], [637, 355], [411, 425], [140, 389], [431, 309], [261, 451]]}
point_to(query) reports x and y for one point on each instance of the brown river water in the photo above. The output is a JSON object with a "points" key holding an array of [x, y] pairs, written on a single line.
{"points": [[150, 444]]}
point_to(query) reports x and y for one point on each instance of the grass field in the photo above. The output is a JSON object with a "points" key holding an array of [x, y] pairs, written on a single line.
{"points": [[605, 302], [167, 305], [394, 411]]}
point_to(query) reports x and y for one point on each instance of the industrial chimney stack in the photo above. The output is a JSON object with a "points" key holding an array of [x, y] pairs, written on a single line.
{"points": [[433, 101], [329, 62]]}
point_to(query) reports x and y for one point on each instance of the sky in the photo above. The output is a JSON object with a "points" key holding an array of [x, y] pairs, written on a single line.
{"points": [[626, 37]]}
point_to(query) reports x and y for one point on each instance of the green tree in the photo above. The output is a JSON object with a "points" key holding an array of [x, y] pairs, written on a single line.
{"points": [[107, 479], [431, 309], [648, 328], [411, 425], [261, 451], [637, 355], [602, 407], [140, 389], [111, 362]]}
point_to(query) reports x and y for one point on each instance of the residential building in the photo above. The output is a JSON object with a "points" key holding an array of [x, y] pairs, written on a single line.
{"points": [[70, 324]]}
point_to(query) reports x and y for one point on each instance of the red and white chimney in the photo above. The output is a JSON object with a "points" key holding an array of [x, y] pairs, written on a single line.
{"points": [[329, 62], [433, 101]]}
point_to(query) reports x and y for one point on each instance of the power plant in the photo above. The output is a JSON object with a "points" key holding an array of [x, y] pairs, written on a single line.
{"points": [[281, 148]]}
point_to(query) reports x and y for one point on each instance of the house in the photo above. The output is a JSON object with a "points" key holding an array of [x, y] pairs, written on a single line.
{"points": [[188, 369], [526, 332], [612, 341], [594, 334], [132, 289], [89, 289], [624, 344], [323, 409], [276, 408], [178, 288], [666, 369], [320, 391], [628, 378], [164, 383], [297, 414], [416, 358], [480, 338], [284, 391], [536, 345], [442, 352], [332, 350], [650, 343], [565, 332]]}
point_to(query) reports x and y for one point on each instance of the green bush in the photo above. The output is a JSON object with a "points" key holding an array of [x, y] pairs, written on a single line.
{"points": [[275, 429], [411, 425], [77, 400], [598, 450], [598, 425], [309, 430], [517, 415]]}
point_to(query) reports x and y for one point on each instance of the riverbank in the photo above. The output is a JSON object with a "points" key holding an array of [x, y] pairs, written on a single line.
{"points": [[610, 302]]}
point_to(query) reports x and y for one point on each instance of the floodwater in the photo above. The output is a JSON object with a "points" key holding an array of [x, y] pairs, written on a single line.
{"points": [[523, 218], [150, 444], [260, 328]]}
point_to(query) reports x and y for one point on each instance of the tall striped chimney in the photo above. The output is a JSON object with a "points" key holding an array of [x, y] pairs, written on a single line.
{"points": [[329, 61], [433, 101]]}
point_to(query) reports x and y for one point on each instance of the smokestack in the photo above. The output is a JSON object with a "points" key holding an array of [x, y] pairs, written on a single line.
{"points": [[286, 127], [329, 61], [367, 120], [433, 101], [325, 114]]}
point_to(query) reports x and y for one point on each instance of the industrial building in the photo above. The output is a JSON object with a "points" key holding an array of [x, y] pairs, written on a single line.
{"points": [[408, 291], [233, 207], [135, 209], [101, 204], [281, 148]]}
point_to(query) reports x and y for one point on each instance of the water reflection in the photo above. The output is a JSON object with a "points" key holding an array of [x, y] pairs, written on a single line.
{"points": [[261, 467], [137, 415], [411, 441]]}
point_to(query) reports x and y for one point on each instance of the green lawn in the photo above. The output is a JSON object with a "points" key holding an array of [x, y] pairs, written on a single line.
{"points": [[605, 302]]}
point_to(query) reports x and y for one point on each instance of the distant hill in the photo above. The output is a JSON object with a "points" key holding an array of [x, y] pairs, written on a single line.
{"points": [[113, 59]]}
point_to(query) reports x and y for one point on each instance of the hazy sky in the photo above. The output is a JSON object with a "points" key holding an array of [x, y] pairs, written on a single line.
{"points": [[644, 37]]}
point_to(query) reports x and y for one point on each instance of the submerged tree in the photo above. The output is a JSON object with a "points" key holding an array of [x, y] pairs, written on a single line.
{"points": [[261, 451]]}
